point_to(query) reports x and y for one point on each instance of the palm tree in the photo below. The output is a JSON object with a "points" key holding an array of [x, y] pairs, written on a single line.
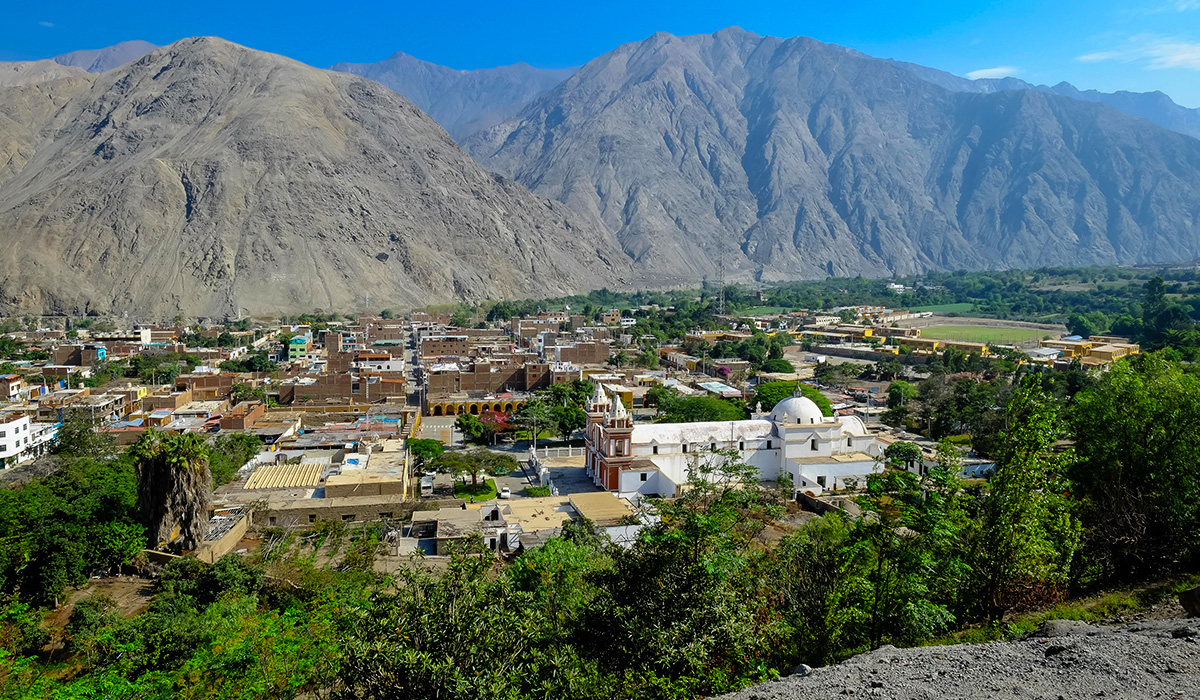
{"points": [[174, 485]]}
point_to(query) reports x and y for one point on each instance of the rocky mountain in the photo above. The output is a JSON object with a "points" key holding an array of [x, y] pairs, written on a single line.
{"points": [[107, 58], [20, 73], [1154, 106], [462, 101], [786, 158], [206, 178]]}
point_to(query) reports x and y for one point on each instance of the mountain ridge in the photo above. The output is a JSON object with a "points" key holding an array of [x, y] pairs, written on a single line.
{"points": [[205, 178], [794, 158], [462, 101]]}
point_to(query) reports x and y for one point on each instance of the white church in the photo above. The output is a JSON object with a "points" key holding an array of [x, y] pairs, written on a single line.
{"points": [[819, 452]]}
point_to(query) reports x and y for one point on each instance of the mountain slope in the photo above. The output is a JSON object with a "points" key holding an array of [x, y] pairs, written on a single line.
{"points": [[107, 58], [1154, 106], [462, 101], [786, 158], [206, 177]]}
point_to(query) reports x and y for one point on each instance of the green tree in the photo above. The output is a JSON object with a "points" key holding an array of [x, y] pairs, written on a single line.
{"points": [[777, 366], [768, 394], [647, 359], [901, 393], [1137, 439], [77, 436], [424, 451], [1027, 534], [696, 409]]}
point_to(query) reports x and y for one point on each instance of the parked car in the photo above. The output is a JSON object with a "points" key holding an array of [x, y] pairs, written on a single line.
{"points": [[505, 492]]}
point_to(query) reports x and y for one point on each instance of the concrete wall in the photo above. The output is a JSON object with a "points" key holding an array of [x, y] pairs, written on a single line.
{"points": [[212, 551]]}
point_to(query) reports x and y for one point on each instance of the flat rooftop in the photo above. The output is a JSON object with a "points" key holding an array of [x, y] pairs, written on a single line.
{"points": [[601, 507]]}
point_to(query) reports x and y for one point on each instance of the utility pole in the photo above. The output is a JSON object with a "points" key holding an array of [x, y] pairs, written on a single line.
{"points": [[721, 285]]}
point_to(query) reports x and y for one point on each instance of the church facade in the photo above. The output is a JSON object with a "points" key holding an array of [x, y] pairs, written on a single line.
{"points": [[818, 452]]}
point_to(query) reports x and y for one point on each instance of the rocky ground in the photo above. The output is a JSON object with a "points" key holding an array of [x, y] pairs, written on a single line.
{"points": [[1062, 660]]}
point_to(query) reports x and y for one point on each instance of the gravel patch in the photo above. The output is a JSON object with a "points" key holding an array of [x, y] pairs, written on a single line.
{"points": [[1063, 660]]}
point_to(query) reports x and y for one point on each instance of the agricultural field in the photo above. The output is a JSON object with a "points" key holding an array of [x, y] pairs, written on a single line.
{"points": [[985, 334]]}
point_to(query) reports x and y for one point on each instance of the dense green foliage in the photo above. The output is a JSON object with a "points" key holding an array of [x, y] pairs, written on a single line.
{"points": [[707, 598], [768, 394], [675, 408], [55, 532], [254, 362]]}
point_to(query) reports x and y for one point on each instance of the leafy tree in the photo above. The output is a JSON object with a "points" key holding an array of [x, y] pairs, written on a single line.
{"points": [[387, 314], [1087, 325], [1137, 438], [618, 359], [245, 392], [768, 394], [424, 451], [470, 426], [1027, 535], [777, 366], [231, 452], [77, 436], [461, 318], [493, 423], [647, 359], [901, 455], [695, 409], [901, 393]]}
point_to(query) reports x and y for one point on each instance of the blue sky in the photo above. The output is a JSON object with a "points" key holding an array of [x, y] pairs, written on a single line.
{"points": [[1103, 44]]}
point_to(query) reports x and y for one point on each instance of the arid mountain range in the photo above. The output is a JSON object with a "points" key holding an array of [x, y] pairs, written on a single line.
{"points": [[205, 177]]}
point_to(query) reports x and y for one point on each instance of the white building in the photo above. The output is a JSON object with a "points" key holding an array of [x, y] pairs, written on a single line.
{"points": [[22, 439], [818, 452]]}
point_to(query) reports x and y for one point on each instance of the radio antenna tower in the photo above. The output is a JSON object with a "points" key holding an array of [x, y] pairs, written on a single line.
{"points": [[721, 286]]}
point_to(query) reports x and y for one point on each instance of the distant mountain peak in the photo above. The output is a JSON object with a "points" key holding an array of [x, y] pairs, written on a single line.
{"points": [[462, 101], [107, 58]]}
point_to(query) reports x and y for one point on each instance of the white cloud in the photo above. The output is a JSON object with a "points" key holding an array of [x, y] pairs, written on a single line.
{"points": [[997, 72], [1185, 5], [1175, 54], [46, 24], [1155, 52]]}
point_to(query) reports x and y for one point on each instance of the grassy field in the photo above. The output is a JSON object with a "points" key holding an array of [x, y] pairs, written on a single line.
{"points": [[984, 334], [486, 490], [960, 308]]}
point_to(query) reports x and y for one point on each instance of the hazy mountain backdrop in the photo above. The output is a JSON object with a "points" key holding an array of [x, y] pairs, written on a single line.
{"points": [[100, 60], [462, 101]]}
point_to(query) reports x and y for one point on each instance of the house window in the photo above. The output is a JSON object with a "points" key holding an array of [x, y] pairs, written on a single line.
{"points": [[768, 444], [348, 518], [271, 520], [644, 475], [685, 448], [741, 445], [654, 449], [849, 442], [312, 517], [821, 481], [386, 516], [813, 443], [712, 446]]}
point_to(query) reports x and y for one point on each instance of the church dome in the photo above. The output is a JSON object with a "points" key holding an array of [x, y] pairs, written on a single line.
{"points": [[797, 409]]}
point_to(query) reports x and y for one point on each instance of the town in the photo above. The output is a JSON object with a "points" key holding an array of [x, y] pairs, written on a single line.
{"points": [[338, 404]]}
